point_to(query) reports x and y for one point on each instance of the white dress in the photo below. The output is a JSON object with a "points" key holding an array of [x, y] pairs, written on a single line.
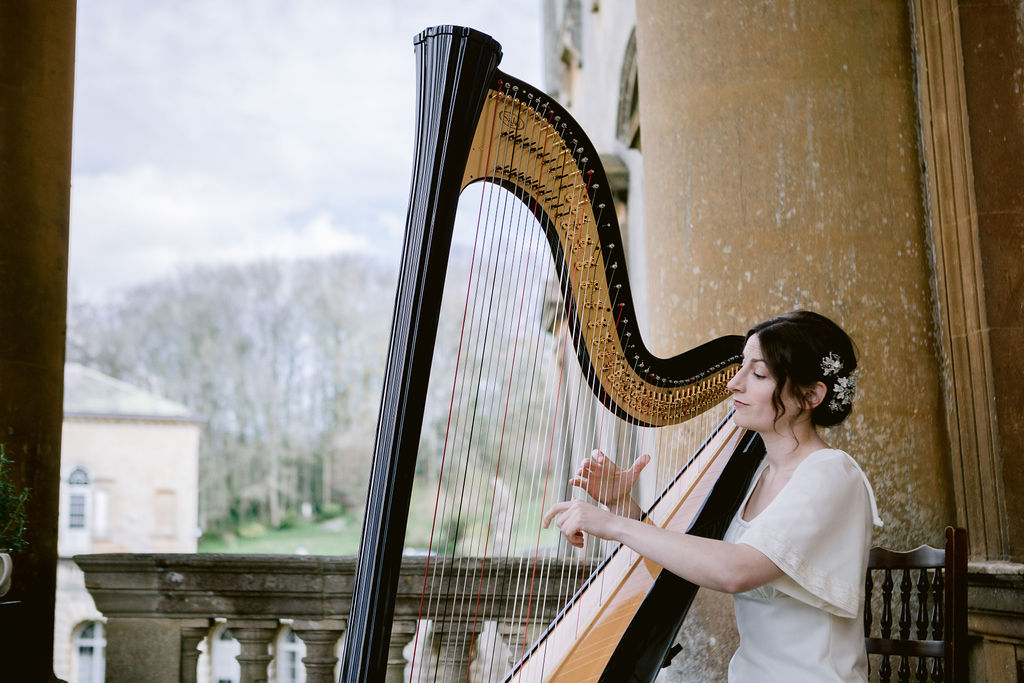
{"points": [[808, 624]]}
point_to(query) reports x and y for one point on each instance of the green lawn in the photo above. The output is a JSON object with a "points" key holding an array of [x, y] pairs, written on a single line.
{"points": [[339, 536]]}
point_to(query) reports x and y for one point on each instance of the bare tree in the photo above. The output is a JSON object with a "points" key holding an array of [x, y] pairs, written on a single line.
{"points": [[283, 360]]}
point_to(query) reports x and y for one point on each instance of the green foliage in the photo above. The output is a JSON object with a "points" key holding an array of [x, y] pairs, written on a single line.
{"points": [[252, 530], [290, 521], [330, 511], [13, 516]]}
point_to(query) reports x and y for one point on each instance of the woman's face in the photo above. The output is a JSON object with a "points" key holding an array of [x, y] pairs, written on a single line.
{"points": [[752, 389]]}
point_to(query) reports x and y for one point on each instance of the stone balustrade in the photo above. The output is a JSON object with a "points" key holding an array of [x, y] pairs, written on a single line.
{"points": [[161, 607]]}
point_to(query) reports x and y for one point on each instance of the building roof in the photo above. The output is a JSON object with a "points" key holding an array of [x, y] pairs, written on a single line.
{"points": [[90, 393]]}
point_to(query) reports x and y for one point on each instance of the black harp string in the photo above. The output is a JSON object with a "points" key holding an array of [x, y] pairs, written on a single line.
{"points": [[501, 428], [525, 239], [506, 248], [537, 255], [496, 243], [587, 415], [490, 279], [543, 448], [571, 338], [542, 464]]}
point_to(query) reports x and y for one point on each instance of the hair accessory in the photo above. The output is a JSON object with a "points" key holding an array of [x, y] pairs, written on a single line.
{"points": [[842, 392], [830, 364]]}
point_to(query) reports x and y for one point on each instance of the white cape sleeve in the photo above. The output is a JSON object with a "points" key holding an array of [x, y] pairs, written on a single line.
{"points": [[817, 530]]}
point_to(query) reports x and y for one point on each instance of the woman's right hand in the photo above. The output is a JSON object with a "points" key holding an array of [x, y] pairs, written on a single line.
{"points": [[609, 484]]}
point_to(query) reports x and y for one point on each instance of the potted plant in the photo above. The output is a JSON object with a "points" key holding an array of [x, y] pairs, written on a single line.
{"points": [[13, 519]]}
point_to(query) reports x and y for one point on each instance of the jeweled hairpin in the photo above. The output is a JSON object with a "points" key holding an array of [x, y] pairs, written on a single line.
{"points": [[830, 364], [842, 392]]}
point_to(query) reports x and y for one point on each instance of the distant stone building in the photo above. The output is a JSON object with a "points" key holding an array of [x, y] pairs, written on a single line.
{"points": [[129, 468]]}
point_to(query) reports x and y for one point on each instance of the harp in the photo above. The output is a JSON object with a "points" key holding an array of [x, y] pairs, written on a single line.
{"points": [[544, 192]]}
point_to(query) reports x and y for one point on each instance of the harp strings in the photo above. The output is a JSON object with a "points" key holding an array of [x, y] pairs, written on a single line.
{"points": [[491, 317], [520, 411]]}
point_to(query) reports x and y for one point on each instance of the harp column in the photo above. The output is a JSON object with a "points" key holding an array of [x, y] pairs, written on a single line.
{"points": [[783, 170]]}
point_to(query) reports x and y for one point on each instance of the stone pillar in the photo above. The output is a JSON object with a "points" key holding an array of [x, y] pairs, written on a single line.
{"points": [[193, 632], [971, 58], [783, 171], [321, 640], [403, 630], [989, 41], [143, 649], [37, 52], [254, 636]]}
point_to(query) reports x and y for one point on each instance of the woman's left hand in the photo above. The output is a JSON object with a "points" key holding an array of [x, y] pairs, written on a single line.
{"points": [[576, 517]]}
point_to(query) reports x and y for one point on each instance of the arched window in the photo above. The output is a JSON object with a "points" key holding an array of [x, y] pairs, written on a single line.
{"points": [[76, 513], [88, 656], [289, 653], [628, 125], [79, 477], [78, 498]]}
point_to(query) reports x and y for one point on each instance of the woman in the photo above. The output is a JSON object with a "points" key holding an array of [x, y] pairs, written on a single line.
{"points": [[796, 551]]}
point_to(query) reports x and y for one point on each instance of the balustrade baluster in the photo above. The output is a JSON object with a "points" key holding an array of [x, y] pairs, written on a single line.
{"points": [[321, 640], [193, 632], [452, 641], [254, 636], [403, 630]]}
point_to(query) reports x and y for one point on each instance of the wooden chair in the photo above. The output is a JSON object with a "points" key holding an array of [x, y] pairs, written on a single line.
{"points": [[927, 589]]}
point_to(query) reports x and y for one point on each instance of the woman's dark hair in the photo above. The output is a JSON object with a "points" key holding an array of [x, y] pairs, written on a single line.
{"points": [[802, 348]]}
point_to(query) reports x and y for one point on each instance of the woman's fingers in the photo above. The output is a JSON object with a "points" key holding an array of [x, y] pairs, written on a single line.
{"points": [[571, 517], [637, 467], [554, 510], [568, 520]]}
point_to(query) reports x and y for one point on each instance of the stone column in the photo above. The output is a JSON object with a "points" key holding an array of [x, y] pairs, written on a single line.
{"points": [[783, 171], [321, 640], [254, 636], [37, 60], [193, 632]]}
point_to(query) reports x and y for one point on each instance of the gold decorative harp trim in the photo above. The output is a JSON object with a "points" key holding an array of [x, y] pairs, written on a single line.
{"points": [[538, 162]]}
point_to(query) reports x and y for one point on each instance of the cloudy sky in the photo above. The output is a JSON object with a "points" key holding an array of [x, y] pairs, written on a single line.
{"points": [[228, 130]]}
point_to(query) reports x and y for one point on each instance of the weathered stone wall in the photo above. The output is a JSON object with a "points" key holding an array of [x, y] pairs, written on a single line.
{"points": [[782, 171]]}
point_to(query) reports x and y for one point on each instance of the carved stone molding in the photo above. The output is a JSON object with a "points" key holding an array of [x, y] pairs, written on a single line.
{"points": [[959, 290]]}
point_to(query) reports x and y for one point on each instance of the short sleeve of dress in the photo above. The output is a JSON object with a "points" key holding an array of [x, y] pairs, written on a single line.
{"points": [[817, 530]]}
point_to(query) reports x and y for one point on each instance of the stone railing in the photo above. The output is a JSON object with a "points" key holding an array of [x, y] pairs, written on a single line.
{"points": [[160, 608]]}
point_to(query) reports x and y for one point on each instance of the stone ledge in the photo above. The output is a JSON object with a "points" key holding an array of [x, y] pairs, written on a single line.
{"points": [[995, 600], [307, 587]]}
